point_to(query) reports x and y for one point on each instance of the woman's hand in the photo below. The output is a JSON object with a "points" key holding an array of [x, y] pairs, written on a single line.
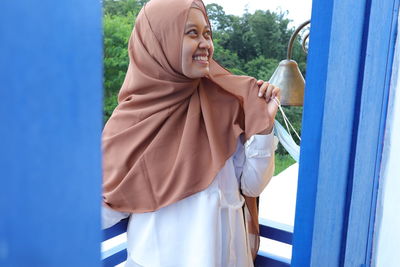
{"points": [[269, 92]]}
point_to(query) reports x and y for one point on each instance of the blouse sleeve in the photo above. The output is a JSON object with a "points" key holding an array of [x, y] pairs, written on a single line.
{"points": [[110, 217], [257, 164]]}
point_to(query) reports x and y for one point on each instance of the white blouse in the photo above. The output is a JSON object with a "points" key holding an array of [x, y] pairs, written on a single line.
{"points": [[206, 229]]}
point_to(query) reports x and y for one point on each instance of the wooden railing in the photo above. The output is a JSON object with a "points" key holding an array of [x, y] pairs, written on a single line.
{"points": [[116, 254]]}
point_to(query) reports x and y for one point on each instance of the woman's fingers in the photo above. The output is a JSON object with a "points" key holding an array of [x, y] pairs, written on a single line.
{"points": [[274, 101], [263, 88], [268, 92], [276, 92]]}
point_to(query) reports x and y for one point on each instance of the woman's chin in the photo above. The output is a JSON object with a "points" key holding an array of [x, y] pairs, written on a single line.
{"points": [[199, 74]]}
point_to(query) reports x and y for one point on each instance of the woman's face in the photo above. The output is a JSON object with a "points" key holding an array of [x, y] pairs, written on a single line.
{"points": [[197, 48]]}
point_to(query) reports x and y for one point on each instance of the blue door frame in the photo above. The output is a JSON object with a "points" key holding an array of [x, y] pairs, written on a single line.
{"points": [[348, 72]]}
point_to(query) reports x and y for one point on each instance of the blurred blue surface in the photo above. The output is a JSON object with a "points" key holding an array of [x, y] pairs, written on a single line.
{"points": [[51, 120]]}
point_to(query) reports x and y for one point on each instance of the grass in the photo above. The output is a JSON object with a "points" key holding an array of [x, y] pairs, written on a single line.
{"points": [[282, 162]]}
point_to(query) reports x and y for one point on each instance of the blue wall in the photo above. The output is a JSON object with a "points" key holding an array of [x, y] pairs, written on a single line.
{"points": [[51, 120]]}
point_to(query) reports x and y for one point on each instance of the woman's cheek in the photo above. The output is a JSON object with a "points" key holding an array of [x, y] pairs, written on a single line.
{"points": [[211, 50]]}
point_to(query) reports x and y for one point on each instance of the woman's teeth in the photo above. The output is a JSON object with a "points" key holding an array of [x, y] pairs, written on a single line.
{"points": [[201, 58]]}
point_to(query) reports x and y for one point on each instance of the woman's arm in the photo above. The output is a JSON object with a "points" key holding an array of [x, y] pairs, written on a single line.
{"points": [[255, 165], [258, 165]]}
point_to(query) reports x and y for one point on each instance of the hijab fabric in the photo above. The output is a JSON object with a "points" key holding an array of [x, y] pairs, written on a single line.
{"points": [[170, 135]]}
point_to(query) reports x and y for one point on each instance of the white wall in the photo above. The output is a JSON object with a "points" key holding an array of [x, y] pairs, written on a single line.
{"points": [[386, 250]]}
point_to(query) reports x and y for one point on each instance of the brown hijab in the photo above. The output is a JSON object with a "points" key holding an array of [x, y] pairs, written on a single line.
{"points": [[170, 135]]}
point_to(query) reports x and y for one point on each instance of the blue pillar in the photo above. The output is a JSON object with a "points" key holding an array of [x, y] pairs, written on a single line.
{"points": [[313, 111], [51, 121]]}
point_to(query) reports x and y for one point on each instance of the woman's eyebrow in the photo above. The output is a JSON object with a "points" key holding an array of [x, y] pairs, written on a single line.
{"points": [[195, 25]]}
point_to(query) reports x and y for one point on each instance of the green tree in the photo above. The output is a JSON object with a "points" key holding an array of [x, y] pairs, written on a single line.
{"points": [[118, 21], [252, 35], [122, 7], [268, 32], [225, 57], [261, 68], [218, 19], [117, 30]]}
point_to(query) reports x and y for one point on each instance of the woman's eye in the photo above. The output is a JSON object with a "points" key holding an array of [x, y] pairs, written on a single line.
{"points": [[194, 33]]}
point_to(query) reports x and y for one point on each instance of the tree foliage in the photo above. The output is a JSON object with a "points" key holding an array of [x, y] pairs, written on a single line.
{"points": [[117, 30], [118, 21], [122, 7], [261, 67]]}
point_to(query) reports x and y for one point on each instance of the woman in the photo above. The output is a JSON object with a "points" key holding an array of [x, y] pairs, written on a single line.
{"points": [[188, 148]]}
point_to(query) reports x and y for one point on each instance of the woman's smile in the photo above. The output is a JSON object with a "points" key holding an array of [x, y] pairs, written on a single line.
{"points": [[201, 59]]}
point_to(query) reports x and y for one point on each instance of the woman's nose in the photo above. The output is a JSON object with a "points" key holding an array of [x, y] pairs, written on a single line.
{"points": [[204, 43]]}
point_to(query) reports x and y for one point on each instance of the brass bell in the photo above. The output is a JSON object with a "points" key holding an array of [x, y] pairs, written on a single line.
{"points": [[288, 77]]}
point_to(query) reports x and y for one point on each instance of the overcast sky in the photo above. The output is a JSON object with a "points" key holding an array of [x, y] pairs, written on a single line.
{"points": [[299, 10]]}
